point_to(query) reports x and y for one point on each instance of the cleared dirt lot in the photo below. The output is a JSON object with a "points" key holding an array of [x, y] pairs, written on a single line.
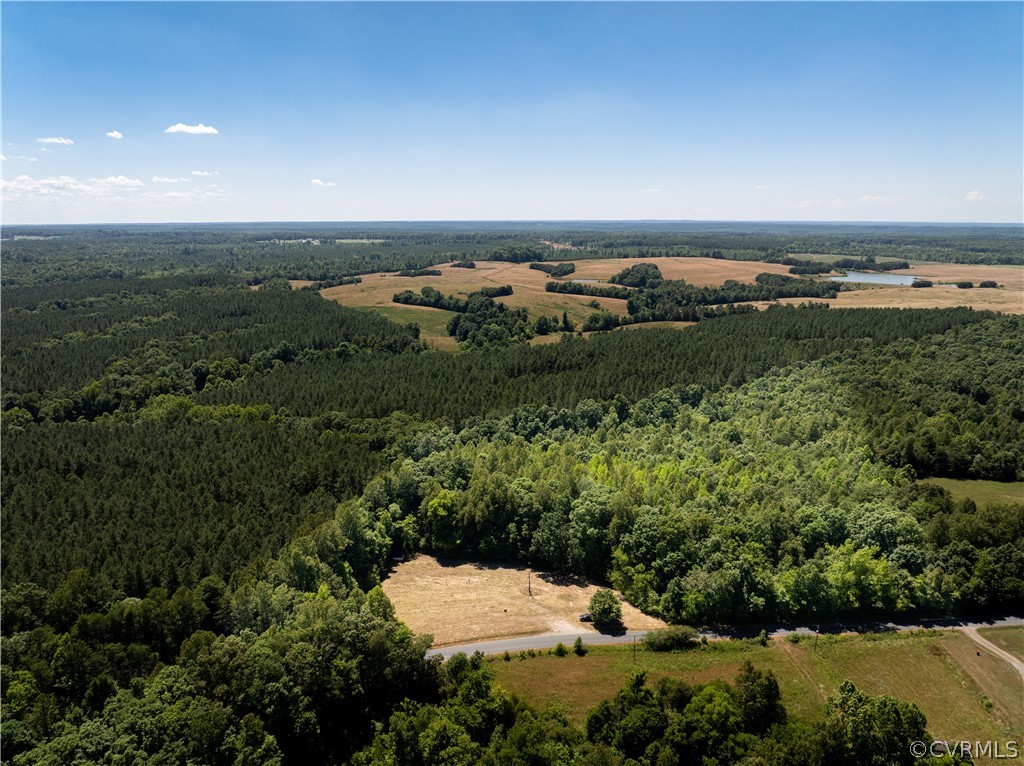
{"points": [[459, 602]]}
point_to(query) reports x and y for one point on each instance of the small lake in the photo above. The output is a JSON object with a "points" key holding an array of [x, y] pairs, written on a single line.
{"points": [[875, 277]]}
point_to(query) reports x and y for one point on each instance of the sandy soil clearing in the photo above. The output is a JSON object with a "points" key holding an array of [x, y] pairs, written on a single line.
{"points": [[459, 602]]}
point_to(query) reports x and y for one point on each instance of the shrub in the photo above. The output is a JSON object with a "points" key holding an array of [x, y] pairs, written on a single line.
{"points": [[671, 639], [605, 607], [922, 283], [988, 283], [578, 647], [965, 285], [560, 650]]}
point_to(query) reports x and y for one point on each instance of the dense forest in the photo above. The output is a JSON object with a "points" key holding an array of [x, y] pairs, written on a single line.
{"points": [[203, 485]]}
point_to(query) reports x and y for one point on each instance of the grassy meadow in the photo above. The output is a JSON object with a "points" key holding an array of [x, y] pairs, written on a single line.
{"points": [[982, 491], [962, 695]]}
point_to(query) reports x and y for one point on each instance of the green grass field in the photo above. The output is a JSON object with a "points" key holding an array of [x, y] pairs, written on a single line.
{"points": [[981, 491], [962, 697], [433, 323]]}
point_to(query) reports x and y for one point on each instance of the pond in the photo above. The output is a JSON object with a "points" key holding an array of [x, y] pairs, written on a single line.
{"points": [[875, 277]]}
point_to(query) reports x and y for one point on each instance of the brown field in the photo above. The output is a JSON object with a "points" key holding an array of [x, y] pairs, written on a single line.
{"points": [[527, 285], [702, 272], [376, 290], [940, 673], [1011, 277], [1005, 300], [459, 602]]}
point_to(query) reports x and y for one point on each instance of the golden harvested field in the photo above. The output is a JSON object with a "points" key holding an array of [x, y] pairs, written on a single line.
{"points": [[702, 272], [1011, 277], [376, 290], [1005, 300], [460, 602], [527, 286]]}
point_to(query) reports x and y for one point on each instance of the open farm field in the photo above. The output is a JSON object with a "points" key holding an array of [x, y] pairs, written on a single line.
{"points": [[982, 491], [1010, 277], [702, 272], [829, 257], [377, 290], [1005, 300], [433, 323], [459, 602], [1008, 638], [941, 673]]}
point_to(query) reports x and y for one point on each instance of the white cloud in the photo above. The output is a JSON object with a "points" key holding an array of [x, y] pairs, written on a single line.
{"points": [[872, 199], [650, 191], [759, 187], [318, 182], [205, 173], [3, 158], [164, 180], [115, 134], [196, 130], [25, 188], [120, 182], [974, 196], [65, 188], [55, 140]]}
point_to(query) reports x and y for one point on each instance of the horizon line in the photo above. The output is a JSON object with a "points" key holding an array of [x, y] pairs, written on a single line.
{"points": [[380, 221]]}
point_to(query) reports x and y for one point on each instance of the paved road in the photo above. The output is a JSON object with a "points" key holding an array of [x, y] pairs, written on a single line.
{"points": [[590, 638]]}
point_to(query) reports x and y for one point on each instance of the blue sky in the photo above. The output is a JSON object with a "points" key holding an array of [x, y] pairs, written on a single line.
{"points": [[423, 111]]}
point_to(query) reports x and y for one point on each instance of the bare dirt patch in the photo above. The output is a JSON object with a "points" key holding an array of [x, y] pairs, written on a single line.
{"points": [[460, 602], [560, 245]]}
